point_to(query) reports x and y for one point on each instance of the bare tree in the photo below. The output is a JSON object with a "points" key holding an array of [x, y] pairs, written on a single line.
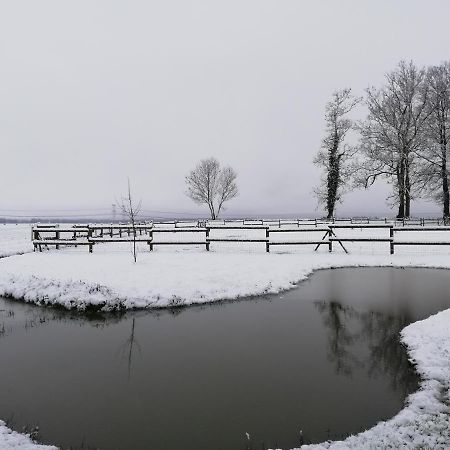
{"points": [[209, 184], [435, 173], [334, 153], [394, 133], [131, 211]]}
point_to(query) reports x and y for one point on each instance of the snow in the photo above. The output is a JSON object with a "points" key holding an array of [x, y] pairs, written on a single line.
{"points": [[11, 440], [425, 420], [108, 279], [15, 239]]}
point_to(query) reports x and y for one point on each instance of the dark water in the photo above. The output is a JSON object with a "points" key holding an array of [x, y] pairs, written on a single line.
{"points": [[324, 358]]}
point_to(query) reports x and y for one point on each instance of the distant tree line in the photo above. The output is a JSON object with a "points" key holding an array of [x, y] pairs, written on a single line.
{"points": [[403, 140]]}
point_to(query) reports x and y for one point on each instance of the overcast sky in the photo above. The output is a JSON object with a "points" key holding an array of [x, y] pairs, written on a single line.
{"points": [[94, 91]]}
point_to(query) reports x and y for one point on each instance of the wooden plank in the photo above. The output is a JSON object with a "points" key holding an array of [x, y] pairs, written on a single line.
{"points": [[298, 230], [235, 240], [178, 243], [179, 230], [60, 242], [424, 228], [237, 227], [61, 230], [123, 227], [300, 243], [421, 243], [336, 239], [112, 240], [351, 227]]}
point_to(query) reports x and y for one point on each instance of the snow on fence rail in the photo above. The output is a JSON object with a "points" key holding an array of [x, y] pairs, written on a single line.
{"points": [[326, 234]]}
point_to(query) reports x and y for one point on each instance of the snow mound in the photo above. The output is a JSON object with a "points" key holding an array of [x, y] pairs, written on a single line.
{"points": [[11, 440]]}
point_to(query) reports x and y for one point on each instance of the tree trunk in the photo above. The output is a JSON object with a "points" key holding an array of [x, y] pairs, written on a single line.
{"points": [[446, 205], [211, 211], [332, 178], [444, 175], [401, 191], [407, 191]]}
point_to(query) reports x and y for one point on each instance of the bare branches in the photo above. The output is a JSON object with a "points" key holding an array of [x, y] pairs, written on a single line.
{"points": [[131, 211], [227, 188], [435, 173], [209, 184], [394, 131]]}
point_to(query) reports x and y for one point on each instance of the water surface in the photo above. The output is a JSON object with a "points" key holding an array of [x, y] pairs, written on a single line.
{"points": [[324, 358]]}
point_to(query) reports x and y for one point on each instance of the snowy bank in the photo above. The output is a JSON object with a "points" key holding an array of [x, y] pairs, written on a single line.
{"points": [[13, 440], [425, 420], [111, 280]]}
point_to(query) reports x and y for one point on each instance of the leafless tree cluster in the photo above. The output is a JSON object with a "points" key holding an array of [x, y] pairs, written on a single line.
{"points": [[393, 135], [434, 155], [211, 185], [404, 139]]}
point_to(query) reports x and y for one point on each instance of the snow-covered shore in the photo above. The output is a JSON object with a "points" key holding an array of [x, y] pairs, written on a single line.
{"points": [[425, 421], [111, 280], [12, 440], [76, 279]]}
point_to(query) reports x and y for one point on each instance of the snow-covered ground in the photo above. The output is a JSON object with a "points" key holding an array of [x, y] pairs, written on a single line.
{"points": [[15, 239], [16, 441], [109, 279]]}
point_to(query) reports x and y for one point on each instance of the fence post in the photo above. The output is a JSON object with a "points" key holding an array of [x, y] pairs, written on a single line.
{"points": [[391, 235], [206, 239], [35, 236], [89, 236], [267, 243]]}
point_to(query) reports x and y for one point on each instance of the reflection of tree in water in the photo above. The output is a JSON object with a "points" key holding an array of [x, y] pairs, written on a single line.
{"points": [[128, 346], [387, 354], [336, 318], [348, 329]]}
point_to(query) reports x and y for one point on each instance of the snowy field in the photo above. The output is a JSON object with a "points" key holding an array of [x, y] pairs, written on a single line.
{"points": [[15, 239], [173, 276]]}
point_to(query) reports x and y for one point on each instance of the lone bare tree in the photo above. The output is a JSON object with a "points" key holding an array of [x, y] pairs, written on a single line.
{"points": [[131, 211], [435, 172], [209, 184], [334, 153], [394, 133]]}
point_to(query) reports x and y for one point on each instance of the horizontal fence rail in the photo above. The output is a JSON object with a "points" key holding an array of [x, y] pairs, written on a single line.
{"points": [[325, 233]]}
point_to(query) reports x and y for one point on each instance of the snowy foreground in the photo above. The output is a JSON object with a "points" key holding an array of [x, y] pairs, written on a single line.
{"points": [[110, 280], [15, 239]]}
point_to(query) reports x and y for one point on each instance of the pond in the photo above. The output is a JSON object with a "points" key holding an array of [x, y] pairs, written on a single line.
{"points": [[324, 358]]}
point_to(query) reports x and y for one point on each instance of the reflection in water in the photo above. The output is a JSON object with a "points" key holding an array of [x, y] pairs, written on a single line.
{"points": [[128, 345], [349, 329], [207, 375], [337, 318]]}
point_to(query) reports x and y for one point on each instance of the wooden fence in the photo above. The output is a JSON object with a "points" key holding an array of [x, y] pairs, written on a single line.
{"points": [[44, 236]]}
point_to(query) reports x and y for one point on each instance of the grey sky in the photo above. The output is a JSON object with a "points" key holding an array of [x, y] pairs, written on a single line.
{"points": [[94, 91]]}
